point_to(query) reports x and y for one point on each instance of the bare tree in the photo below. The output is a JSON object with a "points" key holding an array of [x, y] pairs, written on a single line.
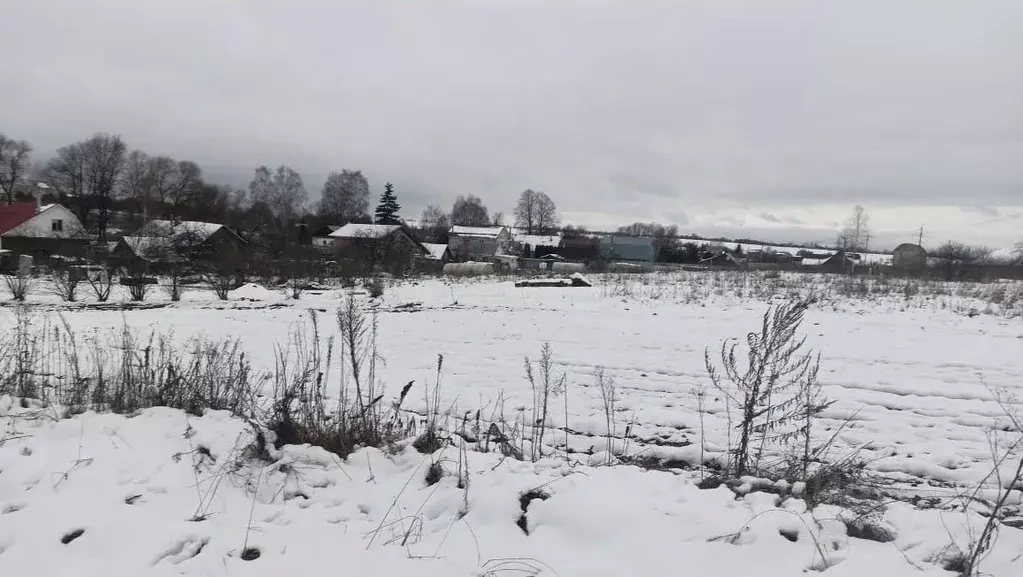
{"points": [[345, 197], [469, 211], [181, 186], [282, 190], [547, 214], [90, 172], [955, 257], [137, 184], [526, 210], [435, 223], [14, 164], [536, 212], [856, 234]]}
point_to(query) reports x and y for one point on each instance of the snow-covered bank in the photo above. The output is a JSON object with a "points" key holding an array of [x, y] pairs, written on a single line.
{"points": [[162, 493]]}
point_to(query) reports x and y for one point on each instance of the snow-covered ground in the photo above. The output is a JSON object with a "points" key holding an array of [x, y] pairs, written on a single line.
{"points": [[914, 369]]}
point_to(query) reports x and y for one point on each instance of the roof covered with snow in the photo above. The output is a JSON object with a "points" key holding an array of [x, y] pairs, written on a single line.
{"points": [[200, 230], [353, 230], [435, 251], [535, 240], [483, 231]]}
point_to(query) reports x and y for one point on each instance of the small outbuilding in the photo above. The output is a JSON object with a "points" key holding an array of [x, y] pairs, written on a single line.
{"points": [[909, 257]]}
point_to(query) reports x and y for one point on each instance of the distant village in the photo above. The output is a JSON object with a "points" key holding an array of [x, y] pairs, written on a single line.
{"points": [[45, 233], [96, 208]]}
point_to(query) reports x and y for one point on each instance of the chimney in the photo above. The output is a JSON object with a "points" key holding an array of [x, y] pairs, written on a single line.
{"points": [[40, 190]]}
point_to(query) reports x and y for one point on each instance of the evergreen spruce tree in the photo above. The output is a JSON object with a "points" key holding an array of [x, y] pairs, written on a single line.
{"points": [[387, 210]]}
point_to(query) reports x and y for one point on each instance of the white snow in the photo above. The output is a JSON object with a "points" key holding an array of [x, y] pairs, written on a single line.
{"points": [[481, 231], [162, 493], [436, 251], [355, 230], [915, 372], [198, 229], [535, 240], [254, 292]]}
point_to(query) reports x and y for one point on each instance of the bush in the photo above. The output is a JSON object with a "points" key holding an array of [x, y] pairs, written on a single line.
{"points": [[19, 284], [375, 287], [102, 283], [65, 284]]}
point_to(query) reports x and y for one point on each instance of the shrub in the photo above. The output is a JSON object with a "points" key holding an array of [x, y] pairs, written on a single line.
{"points": [[102, 283], [138, 283], [20, 284], [65, 284], [375, 287]]}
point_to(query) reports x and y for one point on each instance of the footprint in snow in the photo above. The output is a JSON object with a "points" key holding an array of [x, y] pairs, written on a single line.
{"points": [[183, 550]]}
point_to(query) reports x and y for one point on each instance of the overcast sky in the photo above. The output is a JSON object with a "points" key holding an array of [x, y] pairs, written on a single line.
{"points": [[756, 118]]}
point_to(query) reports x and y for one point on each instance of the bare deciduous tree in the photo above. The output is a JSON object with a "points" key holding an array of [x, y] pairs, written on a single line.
{"points": [[345, 197], [137, 185], [14, 164], [956, 256], [90, 172], [856, 234], [160, 185], [434, 224], [536, 212], [282, 190], [469, 211]]}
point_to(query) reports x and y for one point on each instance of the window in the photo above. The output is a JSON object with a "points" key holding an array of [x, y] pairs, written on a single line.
{"points": [[57, 225]]}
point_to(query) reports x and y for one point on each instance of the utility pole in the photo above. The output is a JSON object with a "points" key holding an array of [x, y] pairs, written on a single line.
{"points": [[920, 237]]}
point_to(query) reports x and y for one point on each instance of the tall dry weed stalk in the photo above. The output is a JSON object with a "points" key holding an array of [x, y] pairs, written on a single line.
{"points": [[774, 392], [545, 385]]}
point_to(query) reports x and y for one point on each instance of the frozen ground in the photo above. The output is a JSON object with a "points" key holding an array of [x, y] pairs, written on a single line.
{"points": [[914, 369]]}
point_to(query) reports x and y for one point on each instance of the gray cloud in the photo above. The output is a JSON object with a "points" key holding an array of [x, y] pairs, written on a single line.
{"points": [[634, 109], [988, 211], [770, 217]]}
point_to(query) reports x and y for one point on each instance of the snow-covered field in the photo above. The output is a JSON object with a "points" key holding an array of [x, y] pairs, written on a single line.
{"points": [[913, 368]]}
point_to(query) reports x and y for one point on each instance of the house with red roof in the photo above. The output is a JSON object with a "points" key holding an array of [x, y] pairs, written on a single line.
{"points": [[41, 231]]}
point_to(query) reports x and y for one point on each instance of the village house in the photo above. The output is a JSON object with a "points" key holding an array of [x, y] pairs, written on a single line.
{"points": [[625, 248], [434, 259], [579, 248], [841, 262], [165, 241], [42, 231], [535, 245], [392, 247], [723, 259], [437, 252], [321, 238], [478, 243]]}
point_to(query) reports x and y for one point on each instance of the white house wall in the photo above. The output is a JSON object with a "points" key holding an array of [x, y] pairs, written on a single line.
{"points": [[41, 225]]}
